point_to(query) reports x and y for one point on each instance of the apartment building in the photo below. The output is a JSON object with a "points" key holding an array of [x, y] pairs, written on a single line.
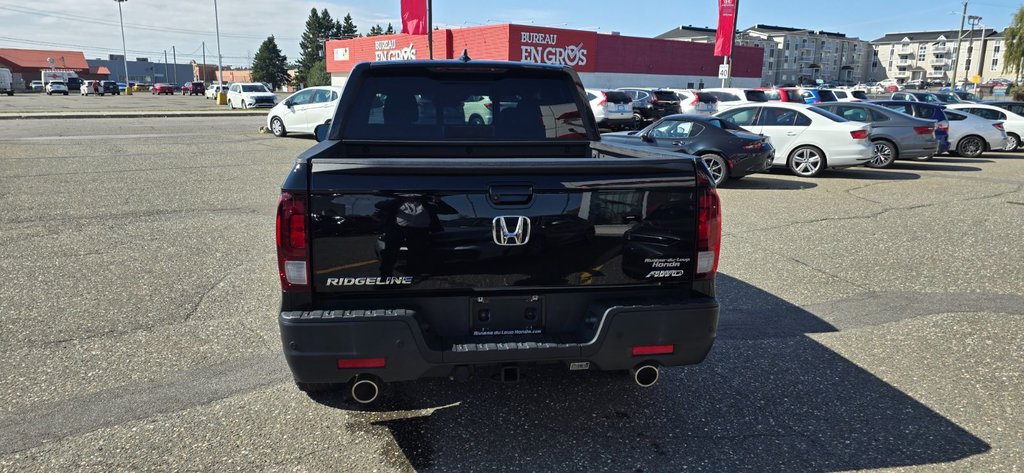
{"points": [[931, 55], [794, 55]]}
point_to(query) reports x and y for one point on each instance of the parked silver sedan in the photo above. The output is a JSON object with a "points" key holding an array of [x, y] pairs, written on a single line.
{"points": [[895, 135]]}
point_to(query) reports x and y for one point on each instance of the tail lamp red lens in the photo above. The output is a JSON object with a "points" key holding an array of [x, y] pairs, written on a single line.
{"points": [[859, 134], [350, 363], [292, 238], [999, 126], [924, 130], [604, 99], [645, 350], [709, 232]]}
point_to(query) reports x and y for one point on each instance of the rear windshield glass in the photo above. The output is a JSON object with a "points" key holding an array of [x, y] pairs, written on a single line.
{"points": [[516, 105], [666, 95], [755, 95], [827, 114], [253, 88], [772, 95], [614, 96], [859, 94], [827, 96], [706, 98]]}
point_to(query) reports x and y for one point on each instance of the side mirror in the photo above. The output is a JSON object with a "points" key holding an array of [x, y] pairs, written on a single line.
{"points": [[288, 103], [322, 130], [646, 138]]}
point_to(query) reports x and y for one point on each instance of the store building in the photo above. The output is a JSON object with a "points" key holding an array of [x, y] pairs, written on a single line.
{"points": [[143, 70], [602, 60], [27, 65]]}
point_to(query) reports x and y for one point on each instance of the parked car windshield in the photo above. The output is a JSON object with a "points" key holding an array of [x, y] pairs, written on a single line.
{"points": [[827, 114], [859, 94], [254, 88], [666, 95], [615, 96], [520, 105], [755, 95]]}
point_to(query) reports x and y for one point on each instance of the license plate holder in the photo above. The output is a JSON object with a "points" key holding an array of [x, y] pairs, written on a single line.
{"points": [[506, 316]]}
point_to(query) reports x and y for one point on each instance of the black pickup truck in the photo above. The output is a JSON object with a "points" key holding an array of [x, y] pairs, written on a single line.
{"points": [[462, 218]]}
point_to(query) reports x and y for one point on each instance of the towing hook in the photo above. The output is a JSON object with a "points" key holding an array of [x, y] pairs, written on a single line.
{"points": [[365, 389], [645, 375]]}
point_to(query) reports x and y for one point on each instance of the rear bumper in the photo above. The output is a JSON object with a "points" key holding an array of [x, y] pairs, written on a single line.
{"points": [[847, 156], [315, 341]]}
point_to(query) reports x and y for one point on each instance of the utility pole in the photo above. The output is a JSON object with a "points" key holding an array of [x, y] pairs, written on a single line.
{"points": [[127, 85], [430, 28], [166, 75], [202, 71], [174, 55], [959, 36], [220, 67], [973, 20]]}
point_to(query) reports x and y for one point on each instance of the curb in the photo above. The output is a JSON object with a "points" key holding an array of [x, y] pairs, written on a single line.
{"points": [[59, 116]]}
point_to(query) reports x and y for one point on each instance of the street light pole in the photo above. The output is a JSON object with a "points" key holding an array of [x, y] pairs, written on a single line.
{"points": [[973, 20], [220, 67], [124, 48], [959, 36]]}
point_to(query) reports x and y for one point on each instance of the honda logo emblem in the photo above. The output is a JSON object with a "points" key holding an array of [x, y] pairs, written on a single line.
{"points": [[511, 230]]}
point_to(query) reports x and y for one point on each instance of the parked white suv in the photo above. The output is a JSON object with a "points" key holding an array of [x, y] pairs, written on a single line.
{"points": [[250, 95], [213, 90], [850, 95], [56, 87], [304, 110], [613, 109], [87, 88], [696, 102], [734, 97]]}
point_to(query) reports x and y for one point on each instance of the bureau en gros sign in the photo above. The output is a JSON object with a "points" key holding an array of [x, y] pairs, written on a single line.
{"points": [[544, 48], [387, 50]]}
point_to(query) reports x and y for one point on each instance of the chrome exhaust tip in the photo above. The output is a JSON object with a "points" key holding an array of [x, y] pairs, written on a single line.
{"points": [[645, 375], [365, 390]]}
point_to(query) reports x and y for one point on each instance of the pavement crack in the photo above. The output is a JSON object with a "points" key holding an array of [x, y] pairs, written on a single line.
{"points": [[202, 297]]}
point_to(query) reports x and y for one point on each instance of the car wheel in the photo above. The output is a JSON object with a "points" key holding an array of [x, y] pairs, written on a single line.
{"points": [[970, 146], [231, 104], [65, 93], [806, 161], [637, 120], [885, 155], [716, 164], [244, 105], [476, 120], [1012, 142], [277, 127]]}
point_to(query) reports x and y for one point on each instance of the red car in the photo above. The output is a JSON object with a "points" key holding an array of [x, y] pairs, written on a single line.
{"points": [[193, 88], [162, 89], [785, 94]]}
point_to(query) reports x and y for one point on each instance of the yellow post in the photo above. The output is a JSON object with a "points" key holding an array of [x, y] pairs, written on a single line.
{"points": [[127, 90], [222, 98]]}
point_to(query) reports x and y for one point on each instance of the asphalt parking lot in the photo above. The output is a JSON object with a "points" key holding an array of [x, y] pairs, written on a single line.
{"points": [[871, 319]]}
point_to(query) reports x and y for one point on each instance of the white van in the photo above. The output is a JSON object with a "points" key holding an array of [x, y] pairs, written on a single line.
{"points": [[6, 81]]}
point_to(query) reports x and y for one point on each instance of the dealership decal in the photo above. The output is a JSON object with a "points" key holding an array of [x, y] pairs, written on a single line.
{"points": [[388, 281], [387, 50], [543, 48]]}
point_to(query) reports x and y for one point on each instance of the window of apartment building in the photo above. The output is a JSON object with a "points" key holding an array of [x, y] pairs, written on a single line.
{"points": [[874, 64], [997, 48], [771, 52], [995, 64], [921, 51], [890, 64], [967, 64]]}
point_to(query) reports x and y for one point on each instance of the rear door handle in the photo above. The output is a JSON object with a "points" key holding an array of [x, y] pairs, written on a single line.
{"points": [[511, 194], [791, 133]]}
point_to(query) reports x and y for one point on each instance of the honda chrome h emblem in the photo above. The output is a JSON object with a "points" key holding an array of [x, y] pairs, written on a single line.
{"points": [[511, 230]]}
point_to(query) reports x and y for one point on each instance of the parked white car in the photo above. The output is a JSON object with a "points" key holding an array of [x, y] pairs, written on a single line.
{"points": [[302, 111], [1012, 123], [250, 95], [971, 135], [613, 109], [696, 102], [88, 89], [213, 90], [850, 95], [807, 139], [56, 87], [732, 97]]}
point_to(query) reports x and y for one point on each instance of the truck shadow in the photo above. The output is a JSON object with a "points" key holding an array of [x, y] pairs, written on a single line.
{"points": [[768, 398], [764, 182]]}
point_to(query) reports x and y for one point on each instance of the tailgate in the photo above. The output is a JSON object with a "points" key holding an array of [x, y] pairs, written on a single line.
{"points": [[470, 224]]}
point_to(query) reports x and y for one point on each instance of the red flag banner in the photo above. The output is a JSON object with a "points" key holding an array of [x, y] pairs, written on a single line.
{"points": [[726, 27], [414, 16]]}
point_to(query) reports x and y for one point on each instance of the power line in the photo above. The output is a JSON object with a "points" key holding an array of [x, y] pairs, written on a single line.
{"points": [[96, 48]]}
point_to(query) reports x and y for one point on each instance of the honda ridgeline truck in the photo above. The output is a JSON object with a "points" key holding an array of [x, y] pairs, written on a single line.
{"points": [[414, 241]]}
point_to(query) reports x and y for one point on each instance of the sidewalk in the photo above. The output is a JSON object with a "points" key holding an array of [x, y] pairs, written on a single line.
{"points": [[130, 114]]}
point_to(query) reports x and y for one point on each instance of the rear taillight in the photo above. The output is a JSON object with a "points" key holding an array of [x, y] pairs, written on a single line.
{"points": [[942, 125], [604, 99], [645, 350], [292, 246], [755, 146], [859, 134], [924, 130], [999, 126], [653, 100], [709, 232], [695, 101], [488, 105]]}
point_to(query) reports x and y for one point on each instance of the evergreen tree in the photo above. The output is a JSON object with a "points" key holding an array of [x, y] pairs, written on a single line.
{"points": [[310, 46], [375, 30], [269, 65], [348, 28], [318, 75], [390, 30]]}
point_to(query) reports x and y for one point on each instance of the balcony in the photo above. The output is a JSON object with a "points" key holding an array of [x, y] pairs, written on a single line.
{"points": [[901, 74], [937, 74], [940, 61], [903, 63], [940, 50], [905, 51]]}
